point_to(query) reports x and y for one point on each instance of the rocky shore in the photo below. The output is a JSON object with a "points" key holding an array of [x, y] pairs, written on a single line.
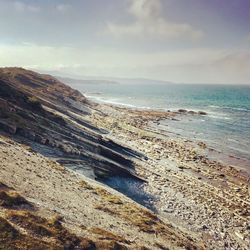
{"points": [[45, 205], [50, 207], [197, 194], [46, 128]]}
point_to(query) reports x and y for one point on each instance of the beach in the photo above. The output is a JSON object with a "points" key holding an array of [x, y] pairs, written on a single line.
{"points": [[125, 125], [77, 174], [225, 128], [101, 217], [198, 194]]}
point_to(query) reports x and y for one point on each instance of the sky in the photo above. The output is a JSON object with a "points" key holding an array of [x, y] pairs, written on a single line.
{"points": [[184, 41]]}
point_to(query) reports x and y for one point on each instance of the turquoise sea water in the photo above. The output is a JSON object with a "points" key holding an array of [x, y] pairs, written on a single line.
{"points": [[226, 128]]}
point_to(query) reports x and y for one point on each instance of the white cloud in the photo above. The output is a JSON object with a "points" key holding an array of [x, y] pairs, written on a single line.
{"points": [[20, 6], [149, 22]]}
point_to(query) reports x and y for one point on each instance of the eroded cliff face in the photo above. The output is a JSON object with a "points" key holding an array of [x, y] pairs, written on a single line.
{"points": [[42, 110]]}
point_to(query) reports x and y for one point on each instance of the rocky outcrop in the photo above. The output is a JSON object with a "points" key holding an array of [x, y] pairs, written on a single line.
{"points": [[43, 110], [191, 112], [40, 84], [43, 205]]}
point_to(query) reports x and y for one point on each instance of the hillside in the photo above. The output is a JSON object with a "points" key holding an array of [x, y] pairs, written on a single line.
{"points": [[43, 110], [44, 205]]}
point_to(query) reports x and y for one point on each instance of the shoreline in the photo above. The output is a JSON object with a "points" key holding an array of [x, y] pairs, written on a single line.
{"points": [[213, 151], [149, 121], [198, 194], [198, 203]]}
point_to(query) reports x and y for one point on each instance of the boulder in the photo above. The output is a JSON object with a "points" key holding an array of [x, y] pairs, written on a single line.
{"points": [[202, 113], [182, 111]]}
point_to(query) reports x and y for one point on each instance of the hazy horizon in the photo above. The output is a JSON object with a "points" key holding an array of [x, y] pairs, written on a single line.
{"points": [[137, 80], [191, 41]]}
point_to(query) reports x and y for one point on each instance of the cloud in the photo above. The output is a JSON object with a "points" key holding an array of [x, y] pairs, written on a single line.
{"points": [[20, 6], [150, 22]]}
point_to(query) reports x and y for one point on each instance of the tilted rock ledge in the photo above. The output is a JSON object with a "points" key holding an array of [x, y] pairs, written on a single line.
{"points": [[200, 203], [44, 110], [51, 207]]}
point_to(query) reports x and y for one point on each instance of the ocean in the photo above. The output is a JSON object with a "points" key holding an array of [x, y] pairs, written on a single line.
{"points": [[225, 128]]}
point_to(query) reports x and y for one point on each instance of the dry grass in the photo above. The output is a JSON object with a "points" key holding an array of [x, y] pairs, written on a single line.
{"points": [[110, 245], [24, 229], [142, 218], [31, 222], [105, 209], [38, 230], [11, 199], [106, 235], [59, 237], [147, 222], [85, 185], [107, 196], [102, 193], [41, 227], [159, 246], [58, 167], [12, 239]]}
